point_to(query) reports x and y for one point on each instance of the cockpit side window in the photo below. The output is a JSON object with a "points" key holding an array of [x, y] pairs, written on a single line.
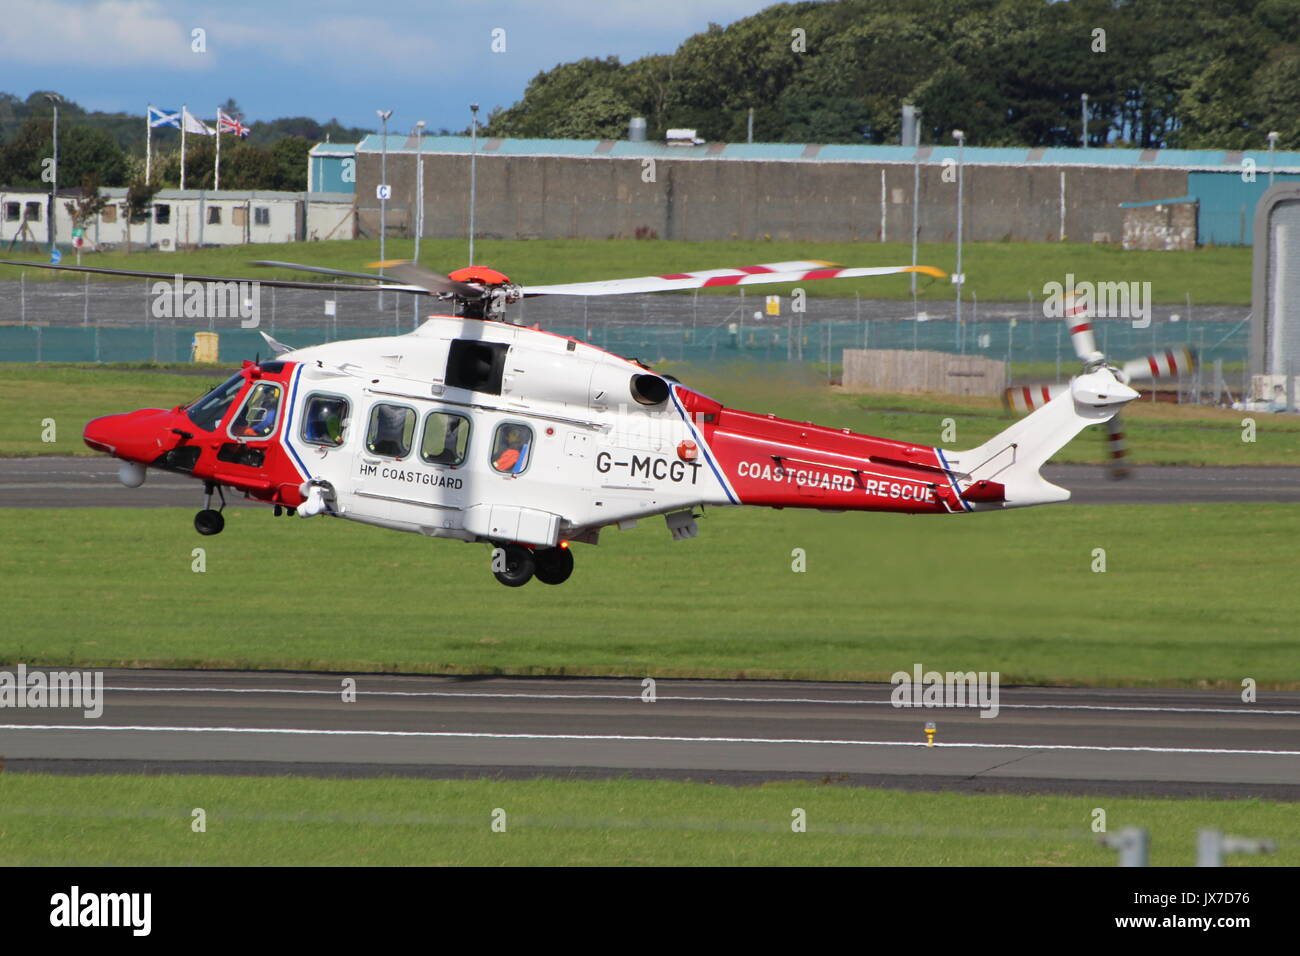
{"points": [[258, 416], [208, 411], [325, 420]]}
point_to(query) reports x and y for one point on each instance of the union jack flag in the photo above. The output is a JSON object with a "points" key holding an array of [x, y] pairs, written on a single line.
{"points": [[228, 124]]}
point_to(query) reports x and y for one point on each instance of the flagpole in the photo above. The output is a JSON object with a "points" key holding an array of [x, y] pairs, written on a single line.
{"points": [[184, 116], [216, 172], [148, 141]]}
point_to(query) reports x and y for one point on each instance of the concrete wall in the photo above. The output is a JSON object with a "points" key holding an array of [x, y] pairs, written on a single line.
{"points": [[524, 197]]}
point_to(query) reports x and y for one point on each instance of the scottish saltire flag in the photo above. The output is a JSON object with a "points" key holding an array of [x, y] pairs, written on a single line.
{"points": [[195, 125], [159, 117], [228, 124]]}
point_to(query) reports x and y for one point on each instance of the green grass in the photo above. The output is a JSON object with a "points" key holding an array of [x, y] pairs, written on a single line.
{"points": [[74, 394], [1193, 595], [146, 821], [995, 271], [1158, 434]]}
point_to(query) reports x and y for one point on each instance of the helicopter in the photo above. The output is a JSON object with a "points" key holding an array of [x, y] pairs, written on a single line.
{"points": [[475, 429]]}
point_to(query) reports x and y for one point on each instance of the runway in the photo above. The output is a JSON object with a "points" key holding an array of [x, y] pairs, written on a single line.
{"points": [[1066, 740], [81, 482]]}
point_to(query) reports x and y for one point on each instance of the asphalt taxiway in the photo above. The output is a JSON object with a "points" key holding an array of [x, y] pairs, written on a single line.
{"points": [[84, 482], [1069, 740]]}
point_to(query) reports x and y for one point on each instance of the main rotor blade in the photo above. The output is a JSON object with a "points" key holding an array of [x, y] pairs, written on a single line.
{"points": [[1167, 364], [404, 270], [318, 269], [276, 283], [748, 275]]}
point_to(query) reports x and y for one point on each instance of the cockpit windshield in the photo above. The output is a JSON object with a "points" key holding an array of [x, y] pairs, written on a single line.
{"points": [[208, 411]]}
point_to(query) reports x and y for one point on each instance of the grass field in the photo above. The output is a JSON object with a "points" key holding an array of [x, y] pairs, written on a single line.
{"points": [[995, 271], [1158, 433], [1194, 595], [146, 821]]}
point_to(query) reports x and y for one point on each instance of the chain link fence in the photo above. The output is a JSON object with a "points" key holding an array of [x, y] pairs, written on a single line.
{"points": [[84, 321]]}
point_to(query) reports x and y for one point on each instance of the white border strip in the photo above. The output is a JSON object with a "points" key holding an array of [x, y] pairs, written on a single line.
{"points": [[666, 697], [310, 732]]}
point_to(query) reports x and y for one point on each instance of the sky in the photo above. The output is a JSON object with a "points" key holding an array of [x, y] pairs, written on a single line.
{"points": [[328, 59]]}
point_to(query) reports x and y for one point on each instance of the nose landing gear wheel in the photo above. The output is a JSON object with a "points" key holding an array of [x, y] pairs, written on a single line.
{"points": [[513, 565], [554, 565], [209, 521]]}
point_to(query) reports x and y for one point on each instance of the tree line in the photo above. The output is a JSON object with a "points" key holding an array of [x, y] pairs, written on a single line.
{"points": [[1191, 74], [108, 149]]}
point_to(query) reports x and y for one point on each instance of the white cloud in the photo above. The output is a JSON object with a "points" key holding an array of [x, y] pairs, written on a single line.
{"points": [[133, 33], [349, 43]]}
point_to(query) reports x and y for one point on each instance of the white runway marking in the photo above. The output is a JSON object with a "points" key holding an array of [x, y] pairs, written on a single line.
{"points": [[664, 697], [633, 738]]}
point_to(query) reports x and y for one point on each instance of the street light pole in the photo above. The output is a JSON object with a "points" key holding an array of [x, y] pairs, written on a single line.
{"points": [[473, 174], [383, 184], [916, 197], [419, 187], [1084, 100], [959, 278], [1272, 141], [55, 100]]}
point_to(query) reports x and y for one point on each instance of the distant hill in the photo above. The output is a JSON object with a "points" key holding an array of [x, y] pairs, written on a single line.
{"points": [[1210, 74]]}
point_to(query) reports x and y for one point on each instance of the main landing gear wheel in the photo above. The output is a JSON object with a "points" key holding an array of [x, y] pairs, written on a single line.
{"points": [[554, 565], [209, 521], [513, 565]]}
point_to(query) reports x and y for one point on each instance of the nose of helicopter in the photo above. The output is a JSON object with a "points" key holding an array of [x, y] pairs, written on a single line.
{"points": [[137, 436]]}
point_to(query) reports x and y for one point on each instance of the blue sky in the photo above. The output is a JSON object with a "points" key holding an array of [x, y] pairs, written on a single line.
{"points": [[327, 58]]}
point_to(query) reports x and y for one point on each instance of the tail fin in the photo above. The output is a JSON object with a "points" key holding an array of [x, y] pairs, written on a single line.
{"points": [[1012, 458]]}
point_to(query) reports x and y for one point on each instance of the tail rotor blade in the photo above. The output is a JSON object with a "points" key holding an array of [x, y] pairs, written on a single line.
{"points": [[1117, 449], [1167, 364], [1026, 398], [1078, 320]]}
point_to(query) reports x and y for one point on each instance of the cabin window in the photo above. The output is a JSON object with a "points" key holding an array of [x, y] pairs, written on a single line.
{"points": [[162, 213], [446, 439], [261, 215], [511, 447], [391, 430], [324, 420], [11, 211], [208, 411], [258, 416], [33, 213], [109, 214], [214, 215]]}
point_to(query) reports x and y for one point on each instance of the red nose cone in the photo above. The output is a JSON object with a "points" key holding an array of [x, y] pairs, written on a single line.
{"points": [[136, 436]]}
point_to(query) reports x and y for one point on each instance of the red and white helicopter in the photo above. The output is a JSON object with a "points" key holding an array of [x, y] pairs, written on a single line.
{"points": [[475, 429]]}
